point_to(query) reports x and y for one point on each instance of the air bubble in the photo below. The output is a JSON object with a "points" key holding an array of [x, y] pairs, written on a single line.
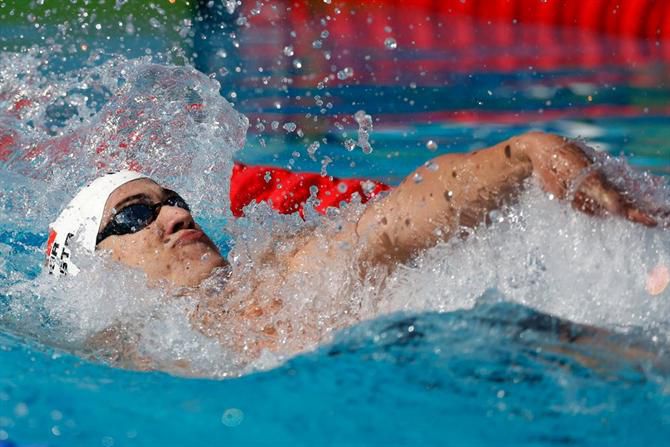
{"points": [[431, 145]]}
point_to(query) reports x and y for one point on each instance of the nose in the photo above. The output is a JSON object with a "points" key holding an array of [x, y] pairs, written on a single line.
{"points": [[173, 219]]}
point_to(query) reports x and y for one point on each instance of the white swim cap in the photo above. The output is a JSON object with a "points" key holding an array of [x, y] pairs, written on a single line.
{"points": [[79, 222]]}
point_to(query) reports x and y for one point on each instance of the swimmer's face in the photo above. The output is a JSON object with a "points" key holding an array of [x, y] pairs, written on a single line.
{"points": [[172, 247]]}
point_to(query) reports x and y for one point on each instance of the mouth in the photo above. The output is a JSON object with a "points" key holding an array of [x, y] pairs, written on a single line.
{"points": [[185, 237]]}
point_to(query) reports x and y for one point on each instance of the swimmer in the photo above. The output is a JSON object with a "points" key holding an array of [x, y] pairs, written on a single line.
{"points": [[145, 226]]}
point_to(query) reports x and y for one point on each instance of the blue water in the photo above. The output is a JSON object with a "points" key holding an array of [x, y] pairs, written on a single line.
{"points": [[494, 373], [478, 377]]}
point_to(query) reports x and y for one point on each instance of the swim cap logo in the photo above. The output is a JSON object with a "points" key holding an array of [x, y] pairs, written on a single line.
{"points": [[59, 254]]}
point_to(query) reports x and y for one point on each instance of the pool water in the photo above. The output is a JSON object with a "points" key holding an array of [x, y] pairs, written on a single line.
{"points": [[488, 341]]}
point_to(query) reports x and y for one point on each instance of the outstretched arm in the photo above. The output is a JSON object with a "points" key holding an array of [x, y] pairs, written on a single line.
{"points": [[458, 190]]}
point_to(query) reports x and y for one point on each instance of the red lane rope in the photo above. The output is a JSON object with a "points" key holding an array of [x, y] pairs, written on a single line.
{"points": [[287, 191]]}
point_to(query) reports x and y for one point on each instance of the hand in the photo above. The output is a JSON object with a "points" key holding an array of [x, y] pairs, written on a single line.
{"points": [[575, 172], [597, 196]]}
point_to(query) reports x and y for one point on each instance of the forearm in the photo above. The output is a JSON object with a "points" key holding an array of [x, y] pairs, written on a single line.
{"points": [[435, 201], [455, 191]]}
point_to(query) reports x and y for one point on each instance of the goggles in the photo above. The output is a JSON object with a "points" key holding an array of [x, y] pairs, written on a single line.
{"points": [[137, 216]]}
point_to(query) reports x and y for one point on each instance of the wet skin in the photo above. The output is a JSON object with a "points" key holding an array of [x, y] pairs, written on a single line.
{"points": [[456, 193]]}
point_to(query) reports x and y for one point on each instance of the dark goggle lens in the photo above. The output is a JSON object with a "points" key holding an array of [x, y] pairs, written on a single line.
{"points": [[136, 217], [133, 218]]}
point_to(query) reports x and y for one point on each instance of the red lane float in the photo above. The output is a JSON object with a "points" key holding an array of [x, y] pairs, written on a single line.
{"points": [[639, 18], [287, 191]]}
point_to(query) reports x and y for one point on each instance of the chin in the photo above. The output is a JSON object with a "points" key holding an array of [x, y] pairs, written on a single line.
{"points": [[196, 271]]}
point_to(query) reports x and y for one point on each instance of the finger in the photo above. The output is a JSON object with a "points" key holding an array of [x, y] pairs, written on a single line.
{"points": [[641, 217]]}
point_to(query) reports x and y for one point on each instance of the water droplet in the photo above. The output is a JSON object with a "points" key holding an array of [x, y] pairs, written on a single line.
{"points": [[328, 2], [363, 119], [297, 64], [230, 6], [267, 177], [390, 43], [417, 177], [364, 128], [349, 144], [368, 187], [288, 51], [342, 188], [311, 150], [431, 145], [431, 166], [345, 73], [289, 127], [496, 216], [317, 44], [274, 125]]}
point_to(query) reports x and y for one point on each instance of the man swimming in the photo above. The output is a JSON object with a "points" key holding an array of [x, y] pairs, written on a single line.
{"points": [[150, 228]]}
